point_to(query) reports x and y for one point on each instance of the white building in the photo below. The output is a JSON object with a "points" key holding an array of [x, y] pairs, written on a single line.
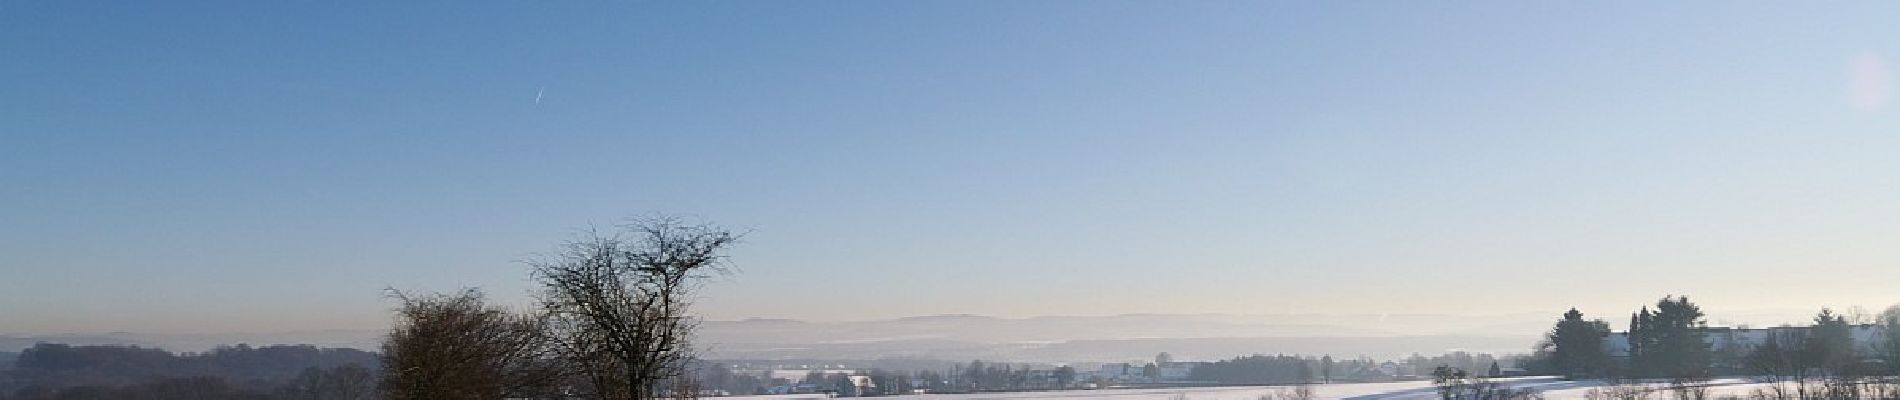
{"points": [[1724, 338], [1397, 370], [1177, 371], [1120, 371], [796, 375]]}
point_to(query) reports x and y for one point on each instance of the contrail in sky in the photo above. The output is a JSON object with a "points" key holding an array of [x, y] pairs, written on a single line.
{"points": [[538, 93]]}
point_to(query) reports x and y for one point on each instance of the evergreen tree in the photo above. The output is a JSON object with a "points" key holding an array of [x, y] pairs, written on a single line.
{"points": [[1638, 339], [1668, 342], [1830, 343], [1326, 369], [1577, 345]]}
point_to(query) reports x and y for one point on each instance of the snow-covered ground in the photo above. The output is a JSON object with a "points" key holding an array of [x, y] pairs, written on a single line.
{"points": [[1551, 388]]}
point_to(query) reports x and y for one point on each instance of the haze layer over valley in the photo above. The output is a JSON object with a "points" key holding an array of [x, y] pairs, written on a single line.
{"points": [[1034, 339]]}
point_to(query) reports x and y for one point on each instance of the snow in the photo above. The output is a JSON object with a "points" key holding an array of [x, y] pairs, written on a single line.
{"points": [[1551, 388]]}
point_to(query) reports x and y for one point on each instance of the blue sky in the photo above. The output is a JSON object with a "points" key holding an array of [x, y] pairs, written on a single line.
{"points": [[218, 166]]}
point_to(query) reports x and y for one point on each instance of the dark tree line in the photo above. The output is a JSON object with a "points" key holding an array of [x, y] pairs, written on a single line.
{"points": [[720, 379], [1257, 369], [58, 371], [994, 376], [1461, 360], [975, 376]]}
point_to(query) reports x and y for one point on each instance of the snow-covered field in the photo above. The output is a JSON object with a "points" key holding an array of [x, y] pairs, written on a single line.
{"points": [[1551, 388]]}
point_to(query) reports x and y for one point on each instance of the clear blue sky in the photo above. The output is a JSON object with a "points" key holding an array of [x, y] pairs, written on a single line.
{"points": [[244, 165]]}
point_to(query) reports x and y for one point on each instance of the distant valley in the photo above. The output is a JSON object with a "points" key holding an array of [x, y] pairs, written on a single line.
{"points": [[963, 337]]}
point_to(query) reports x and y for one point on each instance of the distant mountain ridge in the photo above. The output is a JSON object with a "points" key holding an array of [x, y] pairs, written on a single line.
{"points": [[1045, 338], [976, 328], [1117, 337], [968, 336]]}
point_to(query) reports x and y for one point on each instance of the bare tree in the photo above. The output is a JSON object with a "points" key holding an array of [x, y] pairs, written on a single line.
{"points": [[618, 303], [456, 346], [1887, 346], [1453, 383]]}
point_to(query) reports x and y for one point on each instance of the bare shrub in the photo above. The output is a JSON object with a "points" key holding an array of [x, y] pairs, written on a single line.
{"points": [[456, 346], [1618, 392], [1301, 392], [1453, 383], [1687, 389]]}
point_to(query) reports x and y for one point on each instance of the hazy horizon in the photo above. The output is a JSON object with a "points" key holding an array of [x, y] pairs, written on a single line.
{"points": [[244, 167], [1045, 339], [1534, 320]]}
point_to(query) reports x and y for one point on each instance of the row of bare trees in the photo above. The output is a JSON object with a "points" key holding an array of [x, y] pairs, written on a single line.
{"points": [[612, 323], [1823, 361]]}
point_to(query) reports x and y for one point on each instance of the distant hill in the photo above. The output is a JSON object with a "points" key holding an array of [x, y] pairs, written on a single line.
{"points": [[1139, 336], [1033, 339], [964, 337], [1113, 350], [972, 328], [1205, 349], [1119, 337]]}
